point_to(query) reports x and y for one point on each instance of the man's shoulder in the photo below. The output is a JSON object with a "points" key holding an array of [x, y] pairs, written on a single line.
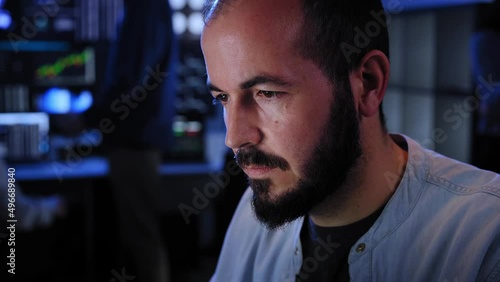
{"points": [[461, 178], [448, 194], [458, 198], [444, 173], [444, 213]]}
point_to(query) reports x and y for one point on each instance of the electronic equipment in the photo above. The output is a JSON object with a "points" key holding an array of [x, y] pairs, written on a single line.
{"points": [[24, 136]]}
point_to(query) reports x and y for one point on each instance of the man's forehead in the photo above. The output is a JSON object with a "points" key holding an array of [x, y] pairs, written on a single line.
{"points": [[269, 22], [249, 40], [255, 12]]}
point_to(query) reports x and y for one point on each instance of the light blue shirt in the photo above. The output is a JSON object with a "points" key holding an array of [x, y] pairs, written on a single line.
{"points": [[441, 224]]}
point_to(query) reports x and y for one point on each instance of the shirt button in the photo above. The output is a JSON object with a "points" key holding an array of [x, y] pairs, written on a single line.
{"points": [[296, 251], [360, 248]]}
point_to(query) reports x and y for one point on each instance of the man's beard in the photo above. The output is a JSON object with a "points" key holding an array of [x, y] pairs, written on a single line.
{"points": [[334, 157]]}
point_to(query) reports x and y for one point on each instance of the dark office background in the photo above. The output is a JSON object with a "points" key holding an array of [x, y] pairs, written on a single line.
{"points": [[52, 63]]}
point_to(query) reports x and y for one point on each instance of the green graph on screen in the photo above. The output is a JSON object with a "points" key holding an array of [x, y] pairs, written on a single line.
{"points": [[66, 68], [72, 60]]}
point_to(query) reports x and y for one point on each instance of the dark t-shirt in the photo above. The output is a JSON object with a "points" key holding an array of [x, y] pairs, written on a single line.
{"points": [[326, 249]]}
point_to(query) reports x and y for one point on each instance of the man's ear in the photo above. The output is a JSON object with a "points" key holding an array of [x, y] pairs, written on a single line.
{"points": [[371, 78]]}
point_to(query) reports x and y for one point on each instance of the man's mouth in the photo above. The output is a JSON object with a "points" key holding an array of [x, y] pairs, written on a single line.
{"points": [[257, 171]]}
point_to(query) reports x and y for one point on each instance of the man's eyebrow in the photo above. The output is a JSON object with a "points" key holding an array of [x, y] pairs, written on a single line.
{"points": [[263, 79], [256, 80], [213, 88]]}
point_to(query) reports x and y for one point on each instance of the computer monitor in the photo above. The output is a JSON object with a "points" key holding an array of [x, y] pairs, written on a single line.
{"points": [[63, 82]]}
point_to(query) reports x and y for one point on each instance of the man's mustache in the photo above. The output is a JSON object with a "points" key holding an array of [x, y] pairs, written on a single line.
{"points": [[252, 156]]}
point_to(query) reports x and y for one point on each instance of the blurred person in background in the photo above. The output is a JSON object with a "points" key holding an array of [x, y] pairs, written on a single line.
{"points": [[134, 111]]}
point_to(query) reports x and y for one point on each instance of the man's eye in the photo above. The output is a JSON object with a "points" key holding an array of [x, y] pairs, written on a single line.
{"points": [[221, 98], [268, 94]]}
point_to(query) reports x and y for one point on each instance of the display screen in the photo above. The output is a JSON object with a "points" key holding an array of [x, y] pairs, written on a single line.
{"points": [[65, 68]]}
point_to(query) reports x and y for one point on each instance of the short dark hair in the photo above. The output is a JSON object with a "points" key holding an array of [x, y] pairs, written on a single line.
{"points": [[336, 34]]}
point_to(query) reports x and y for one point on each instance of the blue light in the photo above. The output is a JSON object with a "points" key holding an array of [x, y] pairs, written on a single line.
{"points": [[5, 19], [82, 102], [55, 101], [62, 101]]}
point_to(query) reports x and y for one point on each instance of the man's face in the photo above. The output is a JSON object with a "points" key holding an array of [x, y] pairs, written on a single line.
{"points": [[294, 136]]}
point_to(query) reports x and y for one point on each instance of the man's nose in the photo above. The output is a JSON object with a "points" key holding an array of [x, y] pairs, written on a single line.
{"points": [[242, 125]]}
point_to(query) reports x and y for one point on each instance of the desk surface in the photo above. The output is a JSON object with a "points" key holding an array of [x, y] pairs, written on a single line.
{"points": [[95, 167]]}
